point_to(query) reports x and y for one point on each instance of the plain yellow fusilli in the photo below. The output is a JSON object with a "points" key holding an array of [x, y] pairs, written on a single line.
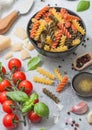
{"points": [[58, 16], [78, 27], [47, 48], [48, 40], [58, 74], [42, 80], [75, 42], [40, 29], [59, 49], [62, 40], [45, 73]]}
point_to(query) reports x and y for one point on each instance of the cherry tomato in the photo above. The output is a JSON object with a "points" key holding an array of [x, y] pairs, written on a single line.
{"points": [[3, 70], [36, 101], [18, 76], [14, 64], [26, 86], [5, 85], [3, 96], [8, 106], [33, 117], [10, 121]]}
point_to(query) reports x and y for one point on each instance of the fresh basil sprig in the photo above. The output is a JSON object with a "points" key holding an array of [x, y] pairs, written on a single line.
{"points": [[29, 104], [1, 79], [0, 66], [43, 129], [34, 97], [33, 63], [83, 5], [18, 96], [42, 109]]}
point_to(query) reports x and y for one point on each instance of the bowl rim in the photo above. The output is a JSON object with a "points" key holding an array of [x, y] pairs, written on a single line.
{"points": [[74, 47], [81, 73]]}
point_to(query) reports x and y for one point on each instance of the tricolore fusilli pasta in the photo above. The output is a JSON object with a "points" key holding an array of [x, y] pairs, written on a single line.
{"points": [[56, 30]]}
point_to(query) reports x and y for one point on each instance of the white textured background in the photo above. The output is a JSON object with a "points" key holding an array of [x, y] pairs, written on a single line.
{"points": [[67, 97]]}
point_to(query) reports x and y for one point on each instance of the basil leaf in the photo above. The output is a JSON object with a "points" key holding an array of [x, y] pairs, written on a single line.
{"points": [[1, 79], [41, 109], [27, 108], [0, 66], [33, 63], [43, 129], [34, 96], [83, 5], [18, 96]]}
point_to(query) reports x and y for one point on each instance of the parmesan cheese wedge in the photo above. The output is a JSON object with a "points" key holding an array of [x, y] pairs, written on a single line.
{"points": [[5, 42], [25, 55], [20, 33], [29, 46], [17, 47]]}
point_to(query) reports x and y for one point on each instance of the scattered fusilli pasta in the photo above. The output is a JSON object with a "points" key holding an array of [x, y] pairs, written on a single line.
{"points": [[51, 95], [62, 84], [42, 80], [45, 73], [58, 74]]}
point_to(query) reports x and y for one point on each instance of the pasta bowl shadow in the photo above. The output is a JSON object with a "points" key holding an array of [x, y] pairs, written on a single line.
{"points": [[50, 53]]}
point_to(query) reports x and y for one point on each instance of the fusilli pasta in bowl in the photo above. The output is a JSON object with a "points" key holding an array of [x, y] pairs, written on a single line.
{"points": [[55, 31]]}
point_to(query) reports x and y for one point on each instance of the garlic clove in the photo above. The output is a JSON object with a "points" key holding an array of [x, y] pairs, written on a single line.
{"points": [[89, 117], [80, 108]]}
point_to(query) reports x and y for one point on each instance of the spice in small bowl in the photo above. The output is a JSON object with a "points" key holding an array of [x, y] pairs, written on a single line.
{"points": [[83, 61]]}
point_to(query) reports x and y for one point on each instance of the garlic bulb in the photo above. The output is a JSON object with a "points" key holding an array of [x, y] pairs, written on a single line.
{"points": [[89, 117], [80, 108], [6, 3]]}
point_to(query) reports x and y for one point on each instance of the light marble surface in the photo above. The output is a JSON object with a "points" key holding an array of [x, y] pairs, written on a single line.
{"points": [[67, 97]]}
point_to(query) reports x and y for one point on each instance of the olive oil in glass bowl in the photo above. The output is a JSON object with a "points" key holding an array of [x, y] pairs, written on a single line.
{"points": [[82, 84]]}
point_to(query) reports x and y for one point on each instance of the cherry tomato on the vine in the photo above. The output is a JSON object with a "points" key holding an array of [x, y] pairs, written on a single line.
{"points": [[5, 85], [10, 121], [33, 117], [3, 70], [18, 76], [14, 64], [8, 106], [3, 96], [26, 86]]}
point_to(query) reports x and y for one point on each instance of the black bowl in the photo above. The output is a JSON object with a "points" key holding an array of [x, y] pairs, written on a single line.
{"points": [[82, 84], [55, 54]]}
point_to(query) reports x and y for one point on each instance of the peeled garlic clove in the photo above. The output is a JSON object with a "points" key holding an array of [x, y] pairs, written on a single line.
{"points": [[80, 108], [89, 117]]}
